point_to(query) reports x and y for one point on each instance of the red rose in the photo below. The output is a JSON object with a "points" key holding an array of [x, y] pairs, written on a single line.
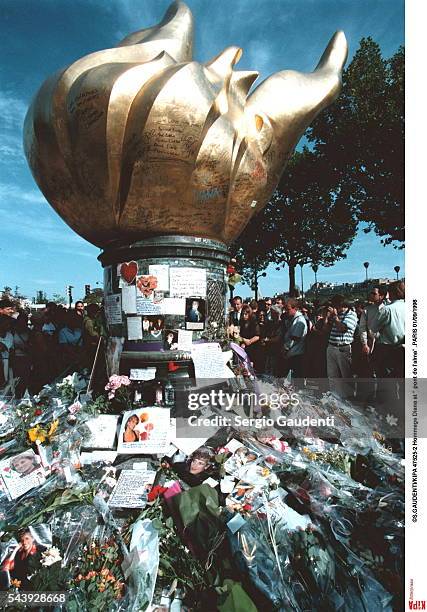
{"points": [[271, 459], [156, 492]]}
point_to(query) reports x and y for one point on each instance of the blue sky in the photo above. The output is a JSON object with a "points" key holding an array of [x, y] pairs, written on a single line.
{"points": [[37, 249]]}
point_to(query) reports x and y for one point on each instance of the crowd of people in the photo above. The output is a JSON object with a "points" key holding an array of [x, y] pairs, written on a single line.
{"points": [[37, 348], [346, 346]]}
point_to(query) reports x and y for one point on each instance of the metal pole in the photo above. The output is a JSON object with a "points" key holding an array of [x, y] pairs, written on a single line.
{"points": [[366, 266], [302, 283], [315, 267]]}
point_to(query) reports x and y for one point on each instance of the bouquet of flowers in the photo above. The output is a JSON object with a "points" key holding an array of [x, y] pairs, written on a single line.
{"points": [[97, 579], [118, 388]]}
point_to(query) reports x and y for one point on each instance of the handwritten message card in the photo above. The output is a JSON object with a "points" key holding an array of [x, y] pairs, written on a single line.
{"points": [[132, 489], [113, 308], [187, 282], [161, 272], [134, 325], [210, 361], [102, 431]]}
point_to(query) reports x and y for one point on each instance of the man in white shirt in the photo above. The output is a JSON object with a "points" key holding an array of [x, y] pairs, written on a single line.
{"points": [[389, 356], [292, 339], [368, 320]]}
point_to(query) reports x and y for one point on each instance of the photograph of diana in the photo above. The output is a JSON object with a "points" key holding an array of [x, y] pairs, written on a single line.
{"points": [[129, 435], [195, 314], [24, 464], [17, 569]]}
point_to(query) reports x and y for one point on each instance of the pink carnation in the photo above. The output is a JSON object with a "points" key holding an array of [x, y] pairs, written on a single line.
{"points": [[74, 408], [114, 383]]}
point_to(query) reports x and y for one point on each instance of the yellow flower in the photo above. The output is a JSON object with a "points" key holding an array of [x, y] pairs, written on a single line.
{"points": [[310, 454], [36, 433], [53, 427]]}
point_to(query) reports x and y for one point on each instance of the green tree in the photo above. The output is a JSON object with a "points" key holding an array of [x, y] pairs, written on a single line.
{"points": [[310, 223], [252, 254], [95, 296], [41, 297], [361, 139], [303, 223], [58, 299]]}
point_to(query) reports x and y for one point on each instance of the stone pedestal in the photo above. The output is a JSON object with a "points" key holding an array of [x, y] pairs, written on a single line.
{"points": [[195, 271]]}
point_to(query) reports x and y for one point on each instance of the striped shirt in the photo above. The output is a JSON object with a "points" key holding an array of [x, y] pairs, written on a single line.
{"points": [[339, 338]]}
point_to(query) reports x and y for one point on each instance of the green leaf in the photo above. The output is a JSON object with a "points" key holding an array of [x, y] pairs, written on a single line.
{"points": [[237, 600]]}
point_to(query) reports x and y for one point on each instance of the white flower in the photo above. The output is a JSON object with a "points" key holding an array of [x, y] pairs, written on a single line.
{"points": [[50, 556], [273, 479], [391, 420]]}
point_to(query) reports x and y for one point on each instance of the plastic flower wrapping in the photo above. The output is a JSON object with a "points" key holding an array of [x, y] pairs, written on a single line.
{"points": [[277, 518]]}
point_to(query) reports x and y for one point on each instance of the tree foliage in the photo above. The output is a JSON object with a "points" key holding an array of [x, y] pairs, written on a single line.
{"points": [[352, 173], [314, 225], [95, 296], [304, 222], [58, 299], [251, 253], [361, 139]]}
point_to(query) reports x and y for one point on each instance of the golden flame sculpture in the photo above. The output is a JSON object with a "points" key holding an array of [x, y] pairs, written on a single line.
{"points": [[140, 140]]}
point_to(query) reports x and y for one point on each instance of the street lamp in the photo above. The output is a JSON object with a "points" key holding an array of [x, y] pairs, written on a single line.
{"points": [[315, 268], [397, 270], [263, 275], [302, 283], [70, 295], [366, 265]]}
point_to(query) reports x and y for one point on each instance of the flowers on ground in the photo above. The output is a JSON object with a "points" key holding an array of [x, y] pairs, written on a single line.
{"points": [[155, 492], [50, 556], [114, 383]]}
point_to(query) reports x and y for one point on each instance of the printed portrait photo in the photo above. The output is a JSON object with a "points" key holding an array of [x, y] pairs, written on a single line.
{"points": [[24, 558], [195, 314], [153, 327], [171, 340]]}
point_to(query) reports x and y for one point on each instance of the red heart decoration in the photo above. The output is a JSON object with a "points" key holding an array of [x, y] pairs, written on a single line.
{"points": [[128, 271]]}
